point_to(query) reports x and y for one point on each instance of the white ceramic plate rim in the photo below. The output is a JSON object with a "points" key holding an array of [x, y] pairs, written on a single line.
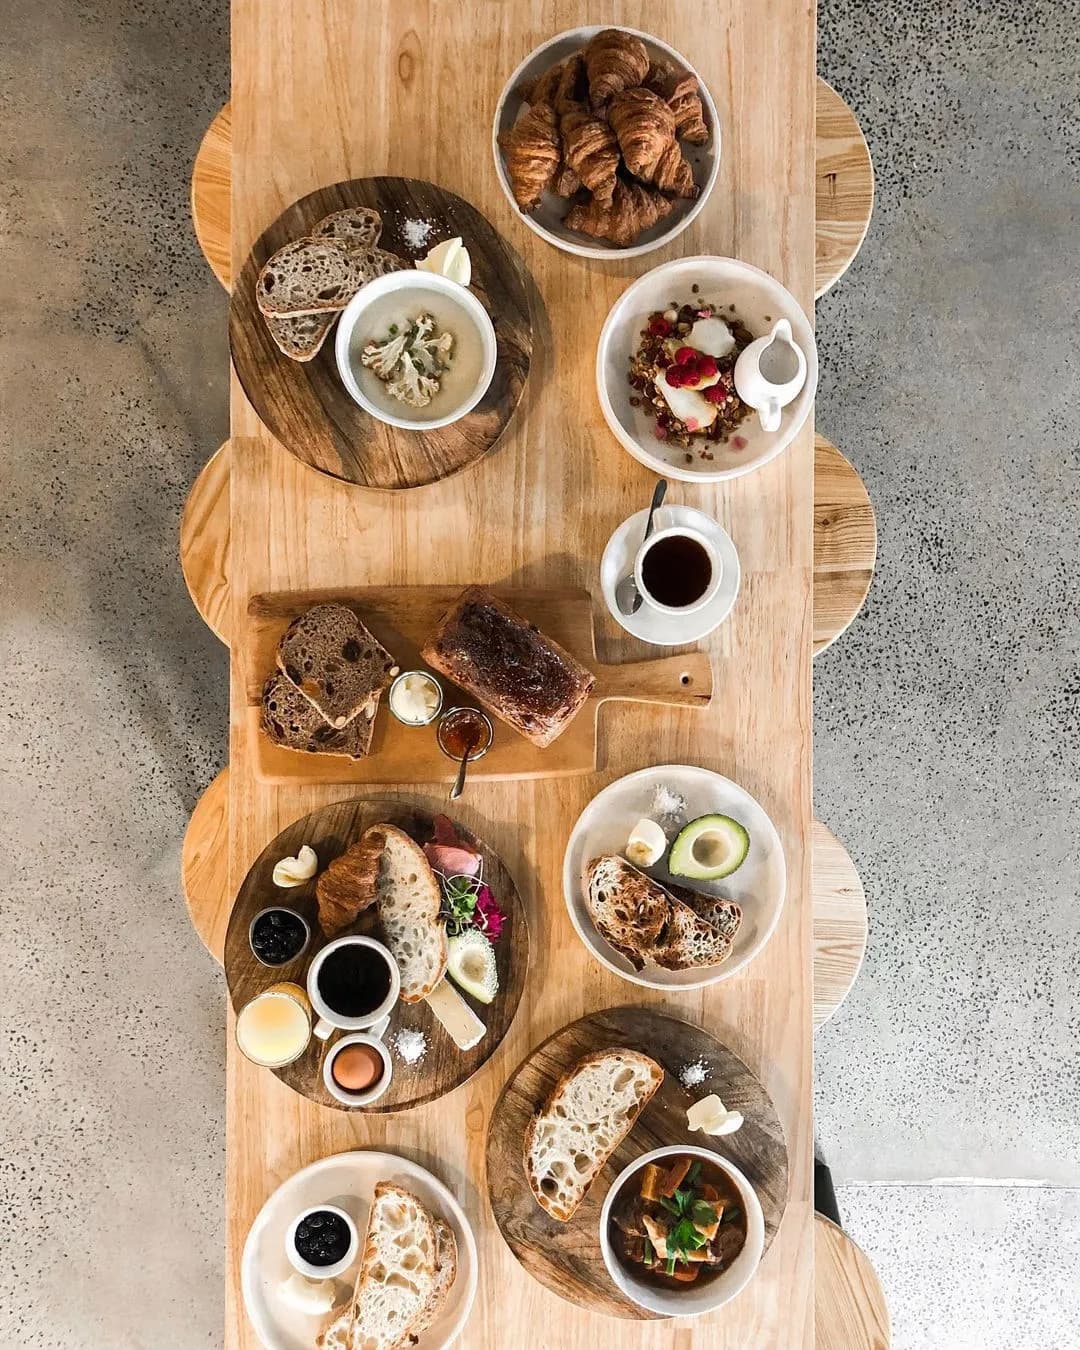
{"points": [[600, 948], [596, 250], [430, 281], [782, 438], [394, 1165]]}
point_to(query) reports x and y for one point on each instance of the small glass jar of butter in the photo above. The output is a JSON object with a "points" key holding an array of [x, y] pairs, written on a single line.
{"points": [[416, 698]]}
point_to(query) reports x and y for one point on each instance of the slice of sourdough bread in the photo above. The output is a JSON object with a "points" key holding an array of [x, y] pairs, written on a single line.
{"points": [[409, 900], [299, 337], [688, 941], [582, 1123], [335, 662], [355, 227], [310, 276], [293, 721], [628, 908], [446, 1263]]}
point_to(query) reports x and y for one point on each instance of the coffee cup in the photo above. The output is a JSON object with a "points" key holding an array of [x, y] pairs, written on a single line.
{"points": [[353, 984], [363, 1096], [678, 570]]}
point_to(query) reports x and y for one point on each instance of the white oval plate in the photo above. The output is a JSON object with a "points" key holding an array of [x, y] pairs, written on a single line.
{"points": [[347, 1180], [759, 885], [759, 301], [547, 219]]}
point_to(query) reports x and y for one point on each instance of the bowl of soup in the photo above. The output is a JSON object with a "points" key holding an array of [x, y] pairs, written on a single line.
{"points": [[415, 350], [681, 1231]]}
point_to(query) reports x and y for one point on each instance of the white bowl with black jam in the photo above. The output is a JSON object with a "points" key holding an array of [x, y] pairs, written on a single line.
{"points": [[322, 1242]]}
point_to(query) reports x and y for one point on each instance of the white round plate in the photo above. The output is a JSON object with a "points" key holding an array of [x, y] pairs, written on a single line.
{"points": [[758, 885], [347, 1180], [547, 219], [651, 625], [759, 301]]}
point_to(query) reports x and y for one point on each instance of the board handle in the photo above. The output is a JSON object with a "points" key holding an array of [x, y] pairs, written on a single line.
{"points": [[676, 681]]}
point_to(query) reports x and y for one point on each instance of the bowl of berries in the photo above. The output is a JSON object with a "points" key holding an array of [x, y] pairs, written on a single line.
{"points": [[666, 360]]}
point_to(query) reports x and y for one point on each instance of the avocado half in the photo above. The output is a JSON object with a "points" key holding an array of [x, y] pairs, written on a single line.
{"points": [[709, 848]]}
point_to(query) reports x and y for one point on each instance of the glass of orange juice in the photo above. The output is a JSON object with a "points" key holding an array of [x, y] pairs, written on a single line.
{"points": [[274, 1028]]}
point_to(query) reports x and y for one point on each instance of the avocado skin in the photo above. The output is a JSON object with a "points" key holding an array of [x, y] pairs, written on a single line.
{"points": [[681, 861]]}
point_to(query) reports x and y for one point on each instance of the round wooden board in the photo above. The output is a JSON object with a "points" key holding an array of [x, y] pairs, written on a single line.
{"points": [[211, 196], [565, 1257], [840, 926], [850, 1312], [844, 176], [204, 865], [305, 405], [329, 831], [204, 543], [845, 543]]}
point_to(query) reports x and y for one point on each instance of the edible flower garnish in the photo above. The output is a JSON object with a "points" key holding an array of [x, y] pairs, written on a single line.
{"points": [[487, 916]]}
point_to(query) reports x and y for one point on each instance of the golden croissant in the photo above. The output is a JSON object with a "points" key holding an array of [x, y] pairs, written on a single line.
{"points": [[633, 209], [614, 61], [684, 100], [645, 126], [531, 147], [557, 86], [590, 150]]}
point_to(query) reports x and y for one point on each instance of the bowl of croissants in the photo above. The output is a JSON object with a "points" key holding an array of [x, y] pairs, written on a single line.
{"points": [[607, 142]]}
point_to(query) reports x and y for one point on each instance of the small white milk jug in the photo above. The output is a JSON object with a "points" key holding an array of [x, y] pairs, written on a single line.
{"points": [[770, 373]]}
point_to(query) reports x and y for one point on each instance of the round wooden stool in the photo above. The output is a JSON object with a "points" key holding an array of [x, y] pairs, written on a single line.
{"points": [[204, 543], [845, 543], [850, 1312], [844, 195], [840, 924], [204, 866], [211, 193]]}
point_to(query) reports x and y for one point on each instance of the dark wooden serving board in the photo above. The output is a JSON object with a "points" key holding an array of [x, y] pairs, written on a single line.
{"points": [[305, 405], [566, 1257], [402, 618], [329, 831]]}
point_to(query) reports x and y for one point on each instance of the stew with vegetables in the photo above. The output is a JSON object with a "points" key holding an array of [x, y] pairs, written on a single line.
{"points": [[677, 1222]]}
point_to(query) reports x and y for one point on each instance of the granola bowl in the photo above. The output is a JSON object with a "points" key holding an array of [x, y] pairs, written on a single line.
{"points": [[716, 303]]}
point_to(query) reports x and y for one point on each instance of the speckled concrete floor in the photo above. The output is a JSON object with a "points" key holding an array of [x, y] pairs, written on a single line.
{"points": [[947, 719]]}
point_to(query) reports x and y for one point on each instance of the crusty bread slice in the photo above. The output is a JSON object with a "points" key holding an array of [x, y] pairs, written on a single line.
{"points": [[291, 720], [355, 227], [446, 1263], [724, 915], [409, 900], [688, 941], [583, 1122], [299, 337], [335, 662], [310, 276], [628, 908]]}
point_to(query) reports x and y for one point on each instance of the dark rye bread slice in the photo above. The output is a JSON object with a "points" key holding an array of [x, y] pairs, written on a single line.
{"points": [[508, 665], [291, 720], [318, 276], [355, 227], [335, 663], [300, 336]]}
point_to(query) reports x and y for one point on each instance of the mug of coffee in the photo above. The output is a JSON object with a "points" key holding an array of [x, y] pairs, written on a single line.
{"points": [[353, 983], [677, 570]]}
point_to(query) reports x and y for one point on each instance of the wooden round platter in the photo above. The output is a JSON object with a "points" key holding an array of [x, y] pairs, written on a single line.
{"points": [[329, 831], [305, 405], [565, 1257]]}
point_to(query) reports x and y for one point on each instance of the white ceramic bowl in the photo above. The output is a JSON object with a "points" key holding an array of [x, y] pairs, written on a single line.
{"points": [[696, 1298], [759, 301], [547, 219], [322, 1272], [371, 1094], [412, 280]]}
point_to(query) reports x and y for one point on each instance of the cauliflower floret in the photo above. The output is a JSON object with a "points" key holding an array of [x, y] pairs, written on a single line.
{"points": [[382, 357], [412, 385], [411, 363]]}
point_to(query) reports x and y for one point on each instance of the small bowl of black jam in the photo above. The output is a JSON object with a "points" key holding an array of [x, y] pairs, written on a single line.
{"points": [[278, 936], [322, 1242]]}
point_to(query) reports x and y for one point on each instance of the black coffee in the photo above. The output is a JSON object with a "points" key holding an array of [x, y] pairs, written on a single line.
{"points": [[676, 571], [353, 980]]}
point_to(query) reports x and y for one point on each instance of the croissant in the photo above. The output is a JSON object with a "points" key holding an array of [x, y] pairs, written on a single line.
{"points": [[566, 181], [673, 173], [633, 208], [684, 100], [590, 149], [531, 147], [645, 127], [557, 86], [614, 61]]}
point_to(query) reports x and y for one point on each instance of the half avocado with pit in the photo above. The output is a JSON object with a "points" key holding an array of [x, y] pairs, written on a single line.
{"points": [[709, 848]]}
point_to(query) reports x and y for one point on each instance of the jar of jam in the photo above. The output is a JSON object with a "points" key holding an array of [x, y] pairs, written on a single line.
{"points": [[465, 733]]}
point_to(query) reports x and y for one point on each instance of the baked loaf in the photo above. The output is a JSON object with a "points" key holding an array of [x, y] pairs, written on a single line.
{"points": [[508, 665], [335, 662], [292, 720], [583, 1122]]}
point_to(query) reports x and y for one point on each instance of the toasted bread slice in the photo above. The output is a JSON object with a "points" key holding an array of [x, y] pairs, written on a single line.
{"points": [[409, 899], [688, 941], [628, 908], [355, 227], [291, 720], [724, 915], [335, 662], [583, 1122], [299, 337]]}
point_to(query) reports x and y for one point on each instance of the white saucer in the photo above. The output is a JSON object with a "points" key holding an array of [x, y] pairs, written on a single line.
{"points": [[669, 630]]}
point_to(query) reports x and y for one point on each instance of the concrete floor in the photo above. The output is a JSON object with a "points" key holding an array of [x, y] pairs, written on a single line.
{"points": [[948, 719]]}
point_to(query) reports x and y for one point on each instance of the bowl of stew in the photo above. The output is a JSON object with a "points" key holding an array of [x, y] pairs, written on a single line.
{"points": [[681, 1231]]}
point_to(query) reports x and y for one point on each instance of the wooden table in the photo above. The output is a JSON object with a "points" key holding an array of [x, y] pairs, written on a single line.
{"points": [[329, 89]]}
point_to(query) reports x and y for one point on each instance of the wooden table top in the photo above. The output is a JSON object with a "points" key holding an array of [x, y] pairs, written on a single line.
{"points": [[324, 90]]}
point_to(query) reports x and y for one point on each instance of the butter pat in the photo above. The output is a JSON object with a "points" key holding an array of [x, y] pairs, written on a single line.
{"points": [[415, 698], [314, 1297], [449, 259], [295, 871], [711, 1116], [456, 1016]]}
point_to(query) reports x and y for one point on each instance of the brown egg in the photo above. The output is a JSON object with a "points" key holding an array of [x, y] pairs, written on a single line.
{"points": [[357, 1068]]}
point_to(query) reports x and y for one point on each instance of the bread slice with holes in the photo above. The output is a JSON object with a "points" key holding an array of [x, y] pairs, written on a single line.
{"points": [[355, 227], [446, 1264], [688, 941], [724, 915], [335, 662], [310, 276], [628, 908], [292, 721], [409, 899], [592, 1109], [300, 337]]}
